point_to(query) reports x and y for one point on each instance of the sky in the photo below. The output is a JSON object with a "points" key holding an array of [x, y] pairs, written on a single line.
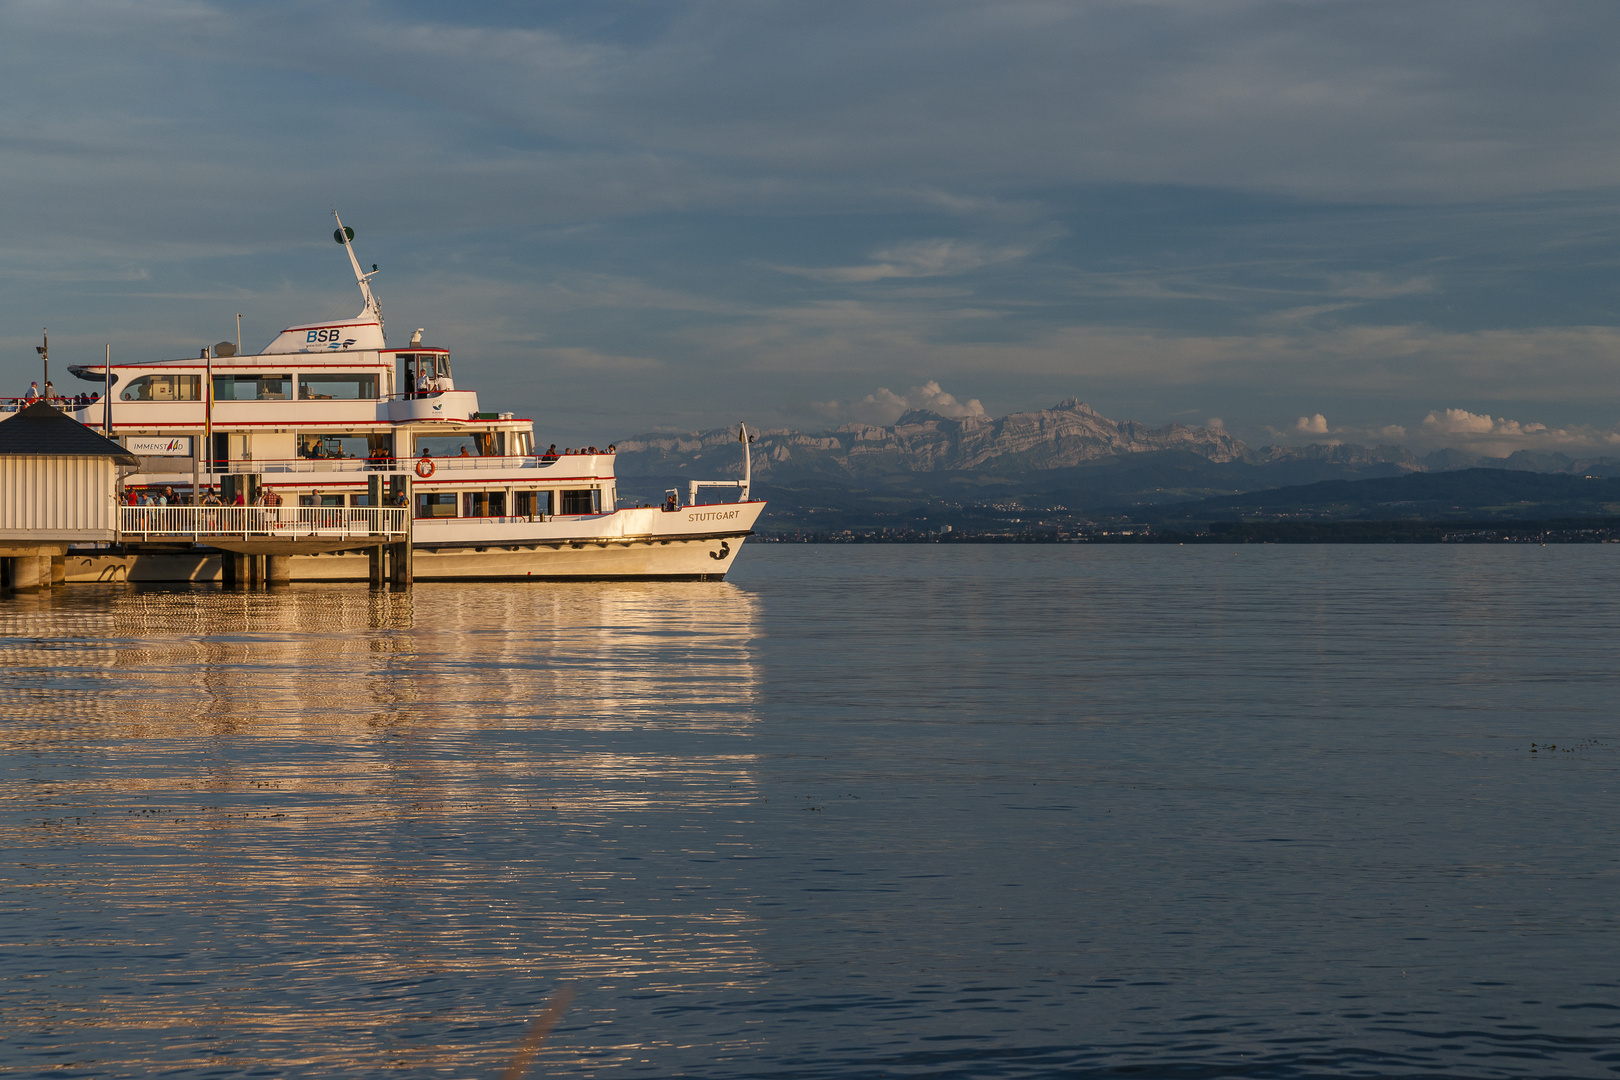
{"points": [[1301, 221]]}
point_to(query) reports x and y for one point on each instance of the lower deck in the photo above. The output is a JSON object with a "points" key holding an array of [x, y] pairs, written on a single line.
{"points": [[704, 558]]}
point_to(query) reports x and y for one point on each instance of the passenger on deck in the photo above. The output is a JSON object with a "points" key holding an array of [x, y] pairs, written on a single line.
{"points": [[33, 393], [611, 449], [425, 384], [550, 454], [464, 453]]}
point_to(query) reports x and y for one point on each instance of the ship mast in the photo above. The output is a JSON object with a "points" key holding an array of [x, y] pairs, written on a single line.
{"points": [[343, 236]]}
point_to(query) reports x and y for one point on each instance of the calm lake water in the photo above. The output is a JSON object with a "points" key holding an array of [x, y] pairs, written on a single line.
{"points": [[964, 811]]}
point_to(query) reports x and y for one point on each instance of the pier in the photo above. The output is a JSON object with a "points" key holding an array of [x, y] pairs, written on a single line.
{"points": [[59, 491], [257, 542]]}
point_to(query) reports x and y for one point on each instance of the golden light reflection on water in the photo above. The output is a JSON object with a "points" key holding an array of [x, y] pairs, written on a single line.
{"points": [[329, 828]]}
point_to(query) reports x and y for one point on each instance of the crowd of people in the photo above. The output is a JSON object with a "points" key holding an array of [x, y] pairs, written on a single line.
{"points": [[167, 496], [552, 453], [74, 401]]}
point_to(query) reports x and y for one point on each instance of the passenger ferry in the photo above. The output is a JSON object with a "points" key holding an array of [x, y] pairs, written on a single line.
{"points": [[327, 406]]}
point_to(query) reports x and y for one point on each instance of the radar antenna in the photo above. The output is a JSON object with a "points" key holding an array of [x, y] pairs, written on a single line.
{"points": [[344, 235]]}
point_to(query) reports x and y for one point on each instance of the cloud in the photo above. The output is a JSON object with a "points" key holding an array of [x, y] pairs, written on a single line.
{"points": [[884, 406], [1462, 422], [1312, 425], [924, 258], [1498, 436]]}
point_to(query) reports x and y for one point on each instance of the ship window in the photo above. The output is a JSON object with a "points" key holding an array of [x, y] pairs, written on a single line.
{"points": [[164, 388], [449, 446], [252, 387], [323, 445], [436, 504], [343, 386], [483, 504], [584, 501], [526, 503]]}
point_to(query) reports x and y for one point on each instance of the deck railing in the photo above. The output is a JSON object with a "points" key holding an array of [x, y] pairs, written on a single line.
{"points": [[364, 465], [263, 522]]}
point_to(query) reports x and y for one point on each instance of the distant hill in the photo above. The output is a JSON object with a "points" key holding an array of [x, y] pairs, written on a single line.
{"points": [[1466, 495]]}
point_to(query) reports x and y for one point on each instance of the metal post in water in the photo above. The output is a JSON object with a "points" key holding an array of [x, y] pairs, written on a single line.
{"points": [[208, 402]]}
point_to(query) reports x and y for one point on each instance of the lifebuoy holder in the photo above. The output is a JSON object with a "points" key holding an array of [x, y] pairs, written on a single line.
{"points": [[424, 468]]}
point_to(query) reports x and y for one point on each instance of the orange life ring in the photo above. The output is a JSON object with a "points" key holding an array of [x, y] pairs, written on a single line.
{"points": [[424, 468]]}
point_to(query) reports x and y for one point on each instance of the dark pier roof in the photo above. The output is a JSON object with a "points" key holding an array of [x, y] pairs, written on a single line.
{"points": [[43, 431]]}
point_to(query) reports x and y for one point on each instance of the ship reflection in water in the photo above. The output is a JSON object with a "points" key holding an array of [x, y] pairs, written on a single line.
{"points": [[321, 830]]}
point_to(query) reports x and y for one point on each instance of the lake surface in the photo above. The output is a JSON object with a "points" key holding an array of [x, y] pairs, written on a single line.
{"points": [[886, 811]]}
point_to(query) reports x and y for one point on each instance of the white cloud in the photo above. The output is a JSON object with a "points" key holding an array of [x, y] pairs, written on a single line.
{"points": [[1498, 436], [884, 406], [1312, 425], [1462, 422]]}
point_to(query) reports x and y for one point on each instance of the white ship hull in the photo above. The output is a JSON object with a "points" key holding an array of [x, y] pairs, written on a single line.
{"points": [[696, 543]]}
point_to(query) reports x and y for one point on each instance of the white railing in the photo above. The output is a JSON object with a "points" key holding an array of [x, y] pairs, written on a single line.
{"points": [[270, 522]]}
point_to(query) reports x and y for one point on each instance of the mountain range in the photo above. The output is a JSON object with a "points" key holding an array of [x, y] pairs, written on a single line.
{"points": [[927, 468]]}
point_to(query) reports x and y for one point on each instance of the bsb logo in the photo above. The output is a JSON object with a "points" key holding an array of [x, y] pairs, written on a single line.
{"points": [[331, 337]]}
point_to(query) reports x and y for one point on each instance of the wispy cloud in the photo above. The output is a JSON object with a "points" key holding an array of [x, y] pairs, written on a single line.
{"points": [[920, 259]]}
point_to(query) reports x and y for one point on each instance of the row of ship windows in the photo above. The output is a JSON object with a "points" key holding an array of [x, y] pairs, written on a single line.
{"points": [[446, 504], [443, 504], [326, 386]]}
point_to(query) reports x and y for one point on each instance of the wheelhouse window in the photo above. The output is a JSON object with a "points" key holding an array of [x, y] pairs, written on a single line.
{"points": [[414, 366], [164, 388], [338, 386], [252, 387]]}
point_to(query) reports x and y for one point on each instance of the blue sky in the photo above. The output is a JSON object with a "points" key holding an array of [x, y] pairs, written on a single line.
{"points": [[1366, 222]]}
